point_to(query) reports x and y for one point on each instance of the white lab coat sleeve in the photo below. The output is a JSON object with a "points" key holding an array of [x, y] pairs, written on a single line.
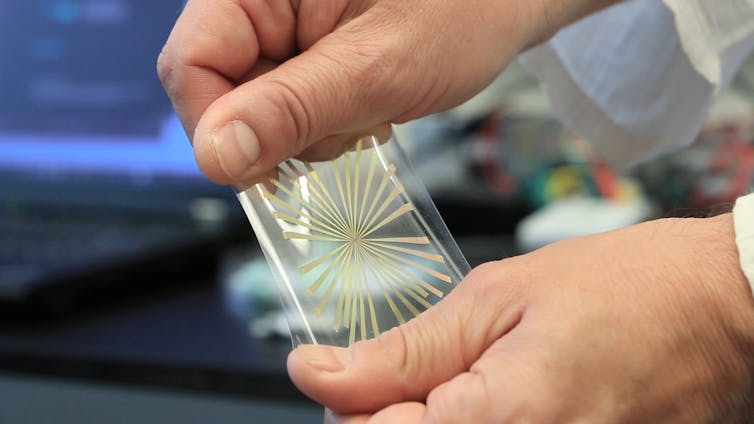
{"points": [[743, 224], [637, 79]]}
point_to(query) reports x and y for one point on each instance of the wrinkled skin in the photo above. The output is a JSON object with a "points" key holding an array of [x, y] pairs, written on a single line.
{"points": [[307, 76], [653, 323]]}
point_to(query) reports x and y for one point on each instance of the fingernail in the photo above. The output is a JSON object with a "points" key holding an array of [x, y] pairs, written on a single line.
{"points": [[237, 148], [330, 359]]}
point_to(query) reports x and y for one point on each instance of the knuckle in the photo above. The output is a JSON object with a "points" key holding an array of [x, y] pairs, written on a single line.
{"points": [[409, 349], [170, 73], [370, 61], [393, 343], [393, 68], [376, 69], [290, 102], [402, 351], [175, 59], [421, 338], [164, 67]]}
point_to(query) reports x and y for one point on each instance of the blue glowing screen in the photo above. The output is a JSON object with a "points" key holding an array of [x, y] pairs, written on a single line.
{"points": [[79, 91]]}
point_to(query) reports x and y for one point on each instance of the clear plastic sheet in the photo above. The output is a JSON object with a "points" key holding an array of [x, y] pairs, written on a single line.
{"points": [[355, 244]]}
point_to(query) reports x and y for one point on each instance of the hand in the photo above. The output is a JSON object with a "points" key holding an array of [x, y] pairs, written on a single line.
{"points": [[652, 323], [256, 82]]}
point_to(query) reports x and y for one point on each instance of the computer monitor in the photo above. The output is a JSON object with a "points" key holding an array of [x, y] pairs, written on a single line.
{"points": [[98, 184], [79, 91]]}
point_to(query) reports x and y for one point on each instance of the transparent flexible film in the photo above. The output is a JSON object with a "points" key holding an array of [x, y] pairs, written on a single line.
{"points": [[355, 244]]}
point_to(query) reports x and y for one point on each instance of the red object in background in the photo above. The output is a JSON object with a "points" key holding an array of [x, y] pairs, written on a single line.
{"points": [[605, 179], [729, 174], [499, 180]]}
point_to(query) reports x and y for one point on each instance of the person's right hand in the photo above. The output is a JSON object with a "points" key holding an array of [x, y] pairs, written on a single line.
{"points": [[256, 82]]}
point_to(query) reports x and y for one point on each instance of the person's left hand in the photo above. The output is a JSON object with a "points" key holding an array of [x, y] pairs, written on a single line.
{"points": [[651, 323]]}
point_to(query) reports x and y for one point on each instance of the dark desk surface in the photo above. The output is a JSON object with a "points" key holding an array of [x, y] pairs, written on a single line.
{"points": [[180, 338]]}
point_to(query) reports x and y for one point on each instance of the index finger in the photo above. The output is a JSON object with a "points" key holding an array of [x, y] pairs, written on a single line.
{"points": [[217, 42]]}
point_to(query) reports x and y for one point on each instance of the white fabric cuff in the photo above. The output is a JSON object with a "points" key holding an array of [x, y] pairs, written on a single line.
{"points": [[716, 35], [743, 223], [623, 80]]}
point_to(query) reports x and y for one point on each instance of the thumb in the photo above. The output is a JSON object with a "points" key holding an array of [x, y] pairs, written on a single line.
{"points": [[407, 362], [342, 84]]}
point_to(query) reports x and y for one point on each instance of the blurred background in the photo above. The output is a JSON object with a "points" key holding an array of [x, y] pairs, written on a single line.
{"points": [[133, 290]]}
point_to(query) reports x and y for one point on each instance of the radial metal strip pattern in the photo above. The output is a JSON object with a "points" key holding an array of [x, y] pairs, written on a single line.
{"points": [[348, 213]]}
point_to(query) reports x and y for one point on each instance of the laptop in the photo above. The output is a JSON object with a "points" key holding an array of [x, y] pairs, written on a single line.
{"points": [[98, 184]]}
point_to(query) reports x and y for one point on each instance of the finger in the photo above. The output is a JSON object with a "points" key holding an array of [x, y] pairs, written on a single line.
{"points": [[511, 382], [266, 180], [333, 146], [214, 43], [319, 19], [404, 412], [465, 398], [326, 149], [406, 363], [335, 87], [261, 67]]}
